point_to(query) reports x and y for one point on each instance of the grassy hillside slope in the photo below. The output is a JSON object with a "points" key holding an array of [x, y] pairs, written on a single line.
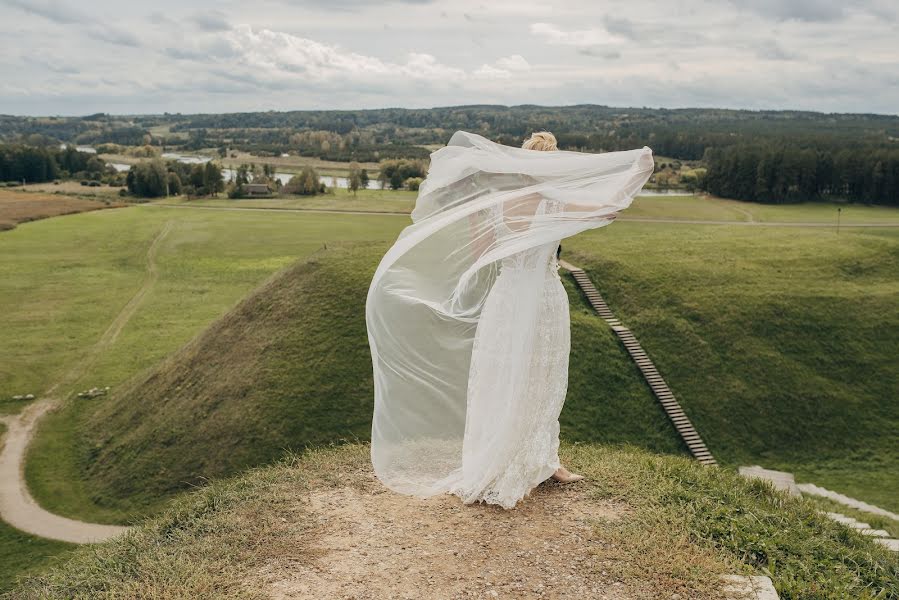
{"points": [[780, 343], [683, 525], [290, 366]]}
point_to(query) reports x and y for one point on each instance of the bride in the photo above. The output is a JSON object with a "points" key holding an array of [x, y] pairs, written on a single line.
{"points": [[468, 320]]}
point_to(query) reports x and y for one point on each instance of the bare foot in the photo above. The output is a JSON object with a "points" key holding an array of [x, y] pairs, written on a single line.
{"points": [[563, 475]]}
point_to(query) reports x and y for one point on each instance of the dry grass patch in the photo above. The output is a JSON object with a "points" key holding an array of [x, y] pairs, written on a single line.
{"points": [[22, 207]]}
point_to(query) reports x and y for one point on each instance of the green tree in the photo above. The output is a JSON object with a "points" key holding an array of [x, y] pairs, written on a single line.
{"points": [[174, 184], [212, 178], [148, 179], [354, 179], [306, 183]]}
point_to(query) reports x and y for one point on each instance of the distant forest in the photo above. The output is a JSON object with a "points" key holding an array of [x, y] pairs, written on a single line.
{"points": [[762, 156]]}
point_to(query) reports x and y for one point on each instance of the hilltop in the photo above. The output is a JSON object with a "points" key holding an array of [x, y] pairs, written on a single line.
{"points": [[320, 525], [290, 367]]}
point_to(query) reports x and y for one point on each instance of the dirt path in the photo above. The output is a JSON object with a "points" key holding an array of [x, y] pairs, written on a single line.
{"points": [[372, 543], [751, 222], [17, 507]]}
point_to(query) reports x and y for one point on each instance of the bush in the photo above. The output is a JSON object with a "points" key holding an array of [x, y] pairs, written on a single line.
{"points": [[305, 184]]}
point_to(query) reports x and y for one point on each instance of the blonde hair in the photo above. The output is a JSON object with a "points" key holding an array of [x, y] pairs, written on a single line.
{"points": [[540, 140]]}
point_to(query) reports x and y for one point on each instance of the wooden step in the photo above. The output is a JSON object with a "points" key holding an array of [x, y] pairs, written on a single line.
{"points": [[654, 379]]}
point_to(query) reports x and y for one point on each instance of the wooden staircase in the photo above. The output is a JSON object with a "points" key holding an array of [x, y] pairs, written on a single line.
{"points": [[661, 390]]}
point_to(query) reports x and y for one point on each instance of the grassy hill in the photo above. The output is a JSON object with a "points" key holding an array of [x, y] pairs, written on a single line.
{"points": [[779, 342], [289, 367], [680, 527]]}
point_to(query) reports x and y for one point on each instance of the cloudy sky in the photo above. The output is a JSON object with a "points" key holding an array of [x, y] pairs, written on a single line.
{"points": [[78, 57]]}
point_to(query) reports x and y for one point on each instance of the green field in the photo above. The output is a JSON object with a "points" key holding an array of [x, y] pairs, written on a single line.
{"points": [[339, 199], [290, 367], [703, 208], [721, 209], [63, 280], [778, 341]]}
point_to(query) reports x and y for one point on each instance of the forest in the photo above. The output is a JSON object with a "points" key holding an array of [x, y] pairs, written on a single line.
{"points": [[761, 156]]}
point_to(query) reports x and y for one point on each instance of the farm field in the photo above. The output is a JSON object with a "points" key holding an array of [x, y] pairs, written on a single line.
{"points": [[20, 207], [673, 207], [78, 271], [702, 207], [73, 188], [400, 201]]}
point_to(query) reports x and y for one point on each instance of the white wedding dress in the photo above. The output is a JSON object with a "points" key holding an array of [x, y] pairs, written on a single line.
{"points": [[511, 439], [468, 320]]}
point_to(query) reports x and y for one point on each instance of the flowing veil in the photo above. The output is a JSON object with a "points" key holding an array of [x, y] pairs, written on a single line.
{"points": [[427, 293]]}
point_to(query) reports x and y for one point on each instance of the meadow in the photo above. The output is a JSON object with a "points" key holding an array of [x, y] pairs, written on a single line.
{"points": [[674, 207], [370, 200], [776, 340], [779, 342]]}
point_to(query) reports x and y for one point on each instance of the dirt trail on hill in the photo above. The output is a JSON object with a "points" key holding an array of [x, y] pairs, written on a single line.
{"points": [[17, 507], [373, 543]]}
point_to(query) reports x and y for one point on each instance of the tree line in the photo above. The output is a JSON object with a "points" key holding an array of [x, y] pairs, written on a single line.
{"points": [[156, 178], [38, 164], [782, 174]]}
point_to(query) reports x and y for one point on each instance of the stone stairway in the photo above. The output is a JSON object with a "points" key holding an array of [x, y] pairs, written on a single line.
{"points": [[655, 380], [749, 587], [814, 490], [785, 482]]}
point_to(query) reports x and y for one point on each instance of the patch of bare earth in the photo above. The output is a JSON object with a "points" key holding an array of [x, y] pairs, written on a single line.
{"points": [[368, 542]]}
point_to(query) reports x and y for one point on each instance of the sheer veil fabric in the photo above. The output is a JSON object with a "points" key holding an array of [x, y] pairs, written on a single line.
{"points": [[481, 203]]}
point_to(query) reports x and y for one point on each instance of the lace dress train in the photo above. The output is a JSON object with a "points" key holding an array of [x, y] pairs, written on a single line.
{"points": [[516, 386]]}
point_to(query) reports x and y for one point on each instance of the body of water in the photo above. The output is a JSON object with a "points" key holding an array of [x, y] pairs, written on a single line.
{"points": [[665, 193], [340, 182]]}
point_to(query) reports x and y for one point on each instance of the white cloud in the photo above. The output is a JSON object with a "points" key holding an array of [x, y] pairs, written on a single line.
{"points": [[488, 72], [282, 55], [515, 62], [84, 56], [583, 38]]}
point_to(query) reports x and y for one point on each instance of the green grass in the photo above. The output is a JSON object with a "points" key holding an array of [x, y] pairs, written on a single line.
{"points": [[67, 278], [339, 199], [780, 343], [710, 208], [206, 264], [22, 554], [684, 525], [290, 367], [875, 521], [704, 208]]}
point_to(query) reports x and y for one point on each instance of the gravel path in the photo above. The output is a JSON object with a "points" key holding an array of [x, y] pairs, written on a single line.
{"points": [[372, 543]]}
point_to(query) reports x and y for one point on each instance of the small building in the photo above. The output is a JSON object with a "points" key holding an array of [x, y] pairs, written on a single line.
{"points": [[257, 189]]}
